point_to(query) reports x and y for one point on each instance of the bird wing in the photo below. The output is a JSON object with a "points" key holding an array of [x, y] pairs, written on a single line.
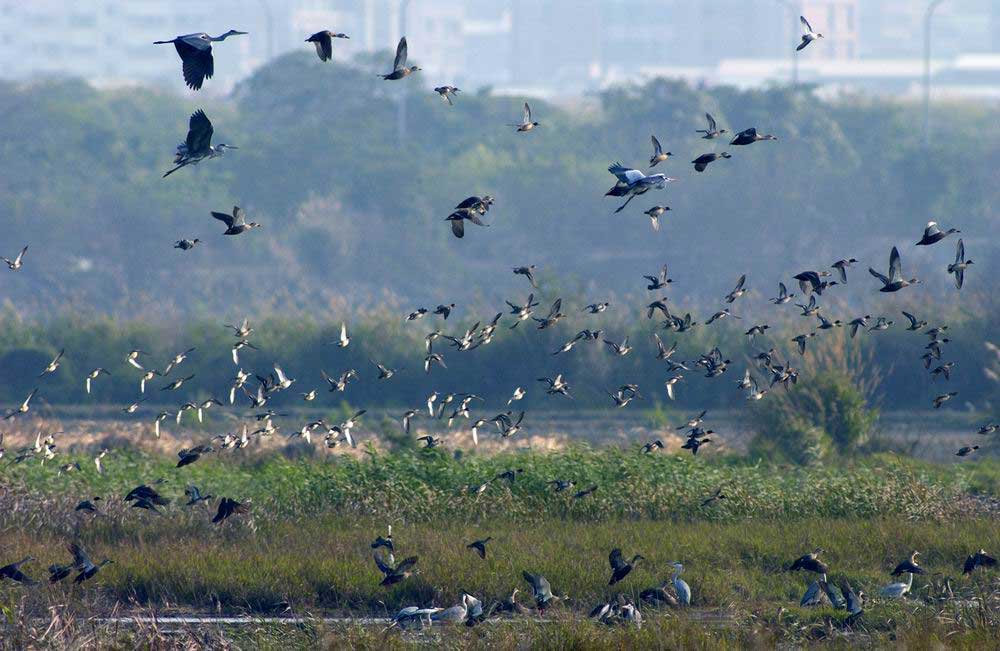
{"points": [[740, 283], [80, 558], [615, 559], [885, 281], [400, 61], [527, 113], [960, 252], [324, 46], [805, 22], [223, 217], [657, 149], [239, 219], [199, 136], [406, 563], [711, 122], [197, 63], [895, 268], [782, 290]]}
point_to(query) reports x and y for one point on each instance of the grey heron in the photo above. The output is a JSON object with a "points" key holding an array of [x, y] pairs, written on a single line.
{"points": [[897, 590], [195, 51], [324, 43], [197, 146], [633, 183], [399, 69], [680, 586]]}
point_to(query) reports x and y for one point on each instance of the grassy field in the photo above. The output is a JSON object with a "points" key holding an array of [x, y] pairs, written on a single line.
{"points": [[304, 548]]}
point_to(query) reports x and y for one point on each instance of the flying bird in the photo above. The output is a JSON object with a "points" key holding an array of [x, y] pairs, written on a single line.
{"points": [[236, 223], [195, 51], [809, 36], [526, 124], [399, 69], [324, 43], [197, 146]]}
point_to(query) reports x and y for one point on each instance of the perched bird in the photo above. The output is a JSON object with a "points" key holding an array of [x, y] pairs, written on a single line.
{"points": [[399, 68], [324, 43], [895, 281], [680, 586], [703, 161], [960, 265], [17, 262], [933, 234], [526, 123], [713, 131], [658, 154], [750, 136], [447, 92], [236, 223], [195, 51], [809, 36], [479, 546], [620, 568]]}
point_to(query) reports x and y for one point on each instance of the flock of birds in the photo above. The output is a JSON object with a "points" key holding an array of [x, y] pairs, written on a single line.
{"points": [[195, 51]]}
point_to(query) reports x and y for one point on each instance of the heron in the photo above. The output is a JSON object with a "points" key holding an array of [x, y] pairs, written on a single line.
{"points": [[197, 146], [680, 586], [633, 183], [324, 43], [897, 590], [399, 69], [195, 51]]}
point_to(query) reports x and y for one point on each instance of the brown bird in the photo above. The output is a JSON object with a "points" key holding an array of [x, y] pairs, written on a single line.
{"points": [[480, 546]]}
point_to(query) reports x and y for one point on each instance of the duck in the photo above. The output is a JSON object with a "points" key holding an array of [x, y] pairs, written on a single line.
{"points": [[783, 295], [842, 266], [447, 92], [186, 244], [237, 222], [658, 154], [654, 215], [943, 398], [18, 261], [858, 323], [933, 234], [541, 590], [399, 68], [966, 450], [809, 36], [895, 281], [739, 290], [702, 162], [750, 136], [528, 272], [712, 131], [909, 566], [526, 124], [810, 562], [324, 43], [915, 323], [960, 265], [659, 281], [479, 546]]}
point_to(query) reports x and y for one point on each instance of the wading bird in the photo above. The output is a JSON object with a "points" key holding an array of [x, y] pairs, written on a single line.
{"points": [[195, 51], [197, 146], [633, 183]]}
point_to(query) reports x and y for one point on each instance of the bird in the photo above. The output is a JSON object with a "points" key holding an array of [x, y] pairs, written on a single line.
{"points": [[195, 51], [197, 146], [702, 162], [93, 375], [194, 495], [858, 323], [471, 209], [713, 131], [933, 234], [979, 559], [479, 546], [186, 244], [54, 364], [659, 596], [801, 341], [680, 586], [344, 340], [652, 446], [915, 323], [658, 281], [24, 407], [897, 590], [809, 36], [814, 594], [528, 272], [809, 282], [176, 384], [750, 136], [811, 563], [854, 603], [717, 495], [842, 266], [960, 265], [895, 281], [229, 507], [658, 154], [966, 450], [82, 562], [235, 223], [585, 492], [989, 428], [541, 590], [399, 69], [620, 568], [13, 572], [526, 123], [738, 291], [324, 43], [393, 574], [909, 566], [633, 183], [654, 215], [943, 398], [18, 261], [621, 349], [783, 295], [187, 456], [447, 92]]}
